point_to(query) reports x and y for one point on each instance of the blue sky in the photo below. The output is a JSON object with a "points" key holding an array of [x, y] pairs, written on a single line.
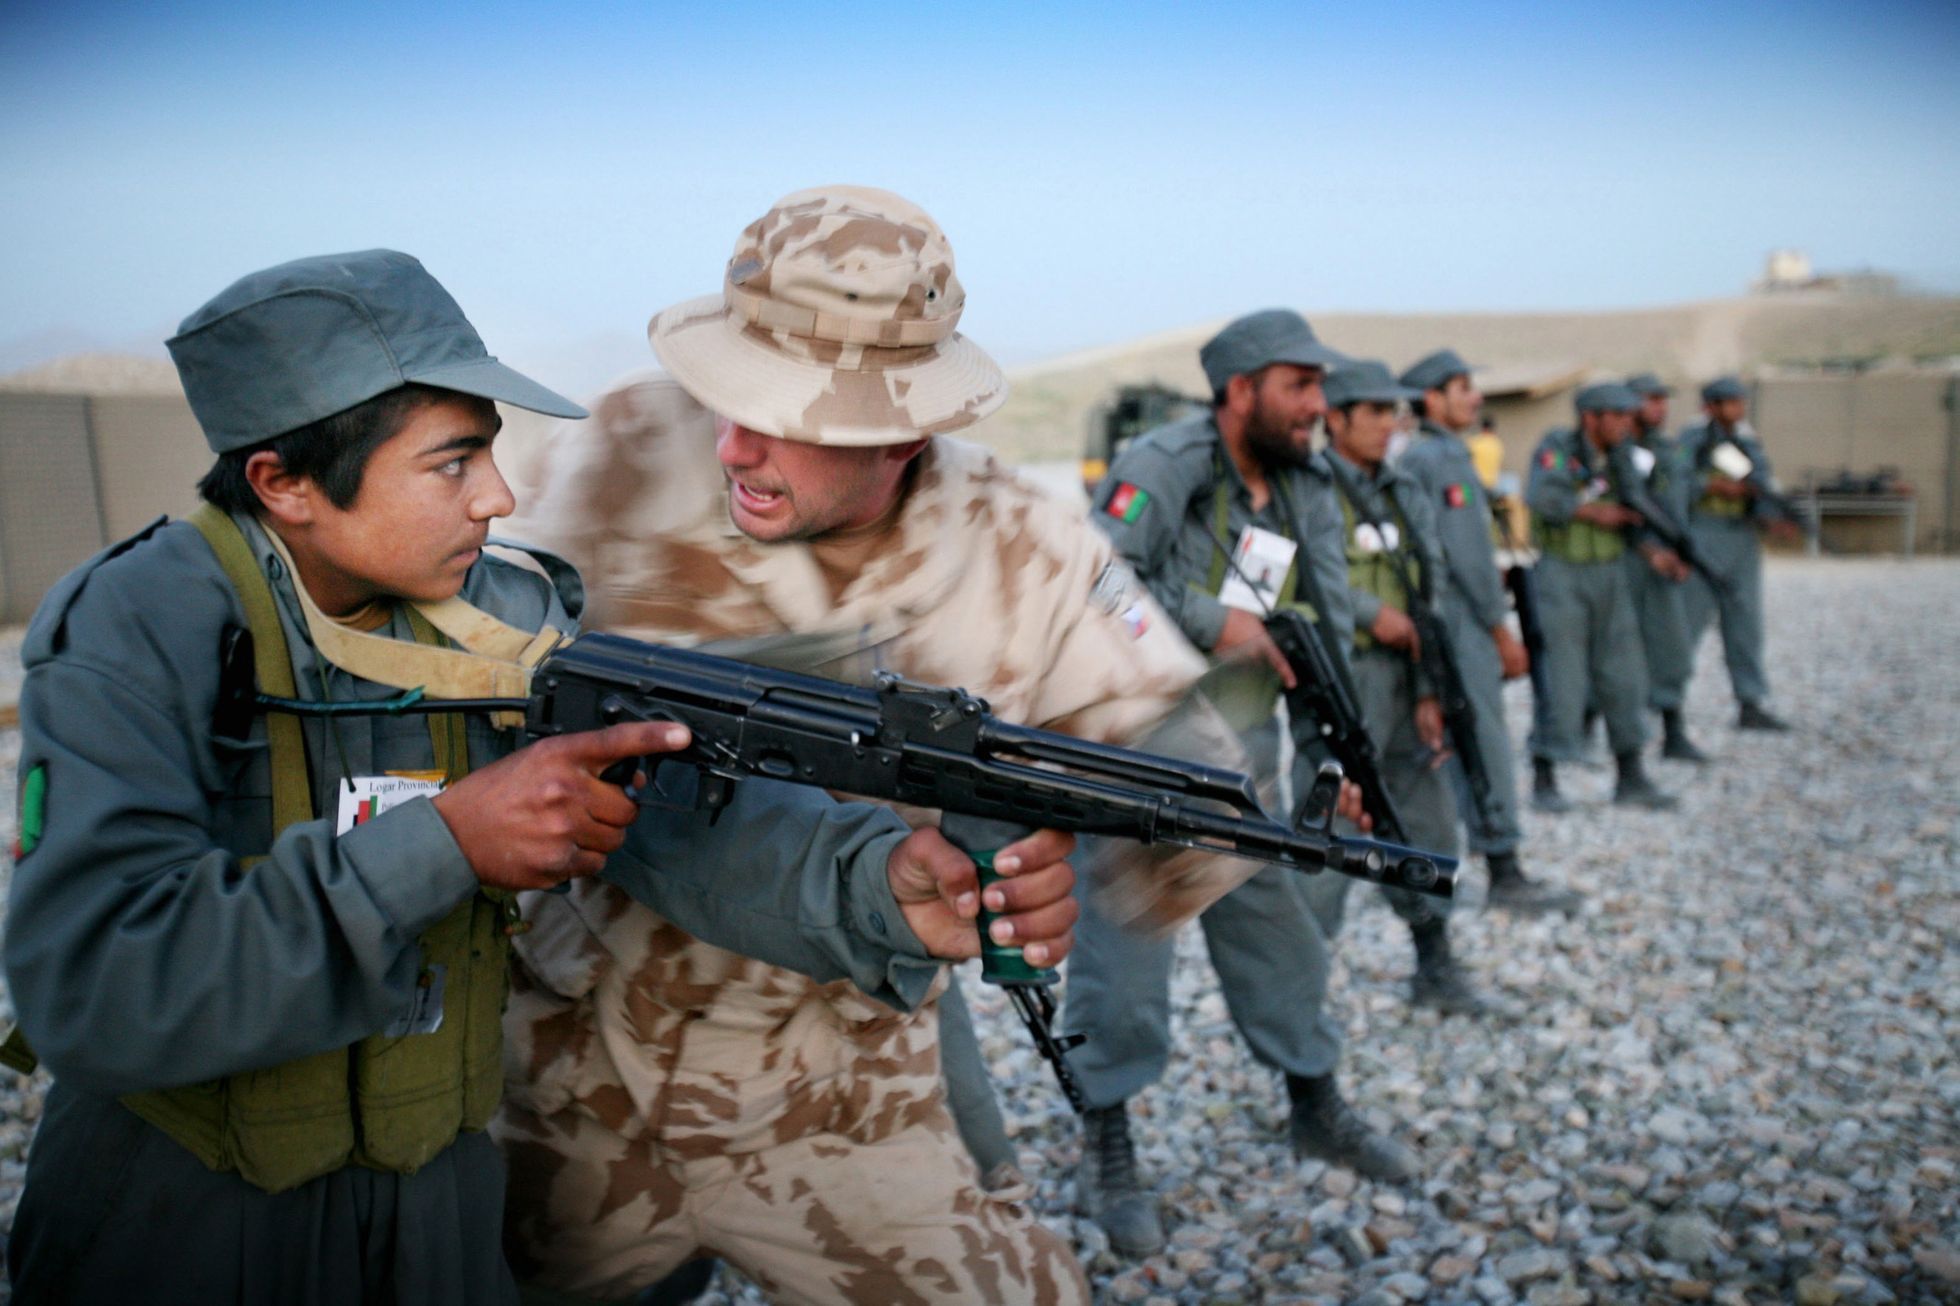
{"points": [[1102, 171]]}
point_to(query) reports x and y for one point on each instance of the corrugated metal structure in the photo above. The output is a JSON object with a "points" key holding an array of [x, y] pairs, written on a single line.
{"points": [[79, 472]]}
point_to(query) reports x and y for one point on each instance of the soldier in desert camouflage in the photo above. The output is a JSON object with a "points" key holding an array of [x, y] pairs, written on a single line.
{"points": [[793, 473]]}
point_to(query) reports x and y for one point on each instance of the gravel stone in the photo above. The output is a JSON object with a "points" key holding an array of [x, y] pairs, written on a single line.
{"points": [[1734, 1076]]}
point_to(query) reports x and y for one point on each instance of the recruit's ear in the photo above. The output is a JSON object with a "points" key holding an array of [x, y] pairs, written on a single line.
{"points": [[287, 497]]}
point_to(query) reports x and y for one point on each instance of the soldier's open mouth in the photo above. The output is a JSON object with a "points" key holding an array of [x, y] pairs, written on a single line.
{"points": [[753, 499]]}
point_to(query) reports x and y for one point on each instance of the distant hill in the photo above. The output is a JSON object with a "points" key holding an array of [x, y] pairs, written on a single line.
{"points": [[98, 374], [1044, 417]]}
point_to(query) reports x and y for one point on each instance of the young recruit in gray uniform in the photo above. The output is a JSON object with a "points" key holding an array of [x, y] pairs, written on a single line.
{"points": [[1659, 577], [1173, 503], [1390, 540], [1476, 613], [1726, 513], [1581, 522], [274, 1034]]}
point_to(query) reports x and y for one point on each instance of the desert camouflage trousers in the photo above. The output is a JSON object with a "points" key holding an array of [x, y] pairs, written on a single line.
{"points": [[818, 1219]]}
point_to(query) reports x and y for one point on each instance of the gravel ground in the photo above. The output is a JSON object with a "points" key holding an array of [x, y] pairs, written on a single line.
{"points": [[1734, 1077]]}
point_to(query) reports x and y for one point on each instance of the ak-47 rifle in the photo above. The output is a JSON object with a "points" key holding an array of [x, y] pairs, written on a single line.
{"points": [[1323, 694], [1523, 588], [1732, 461], [1659, 522], [1437, 655], [904, 742]]}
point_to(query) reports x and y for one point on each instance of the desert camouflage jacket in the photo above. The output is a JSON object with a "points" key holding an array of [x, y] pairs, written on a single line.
{"points": [[984, 582]]}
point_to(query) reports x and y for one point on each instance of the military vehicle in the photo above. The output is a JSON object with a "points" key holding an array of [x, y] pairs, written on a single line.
{"points": [[1133, 410]]}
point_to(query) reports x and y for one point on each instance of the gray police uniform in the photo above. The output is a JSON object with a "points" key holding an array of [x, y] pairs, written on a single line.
{"points": [[1472, 602], [147, 949], [1585, 602], [1388, 682], [1161, 505], [1659, 603], [1724, 531]]}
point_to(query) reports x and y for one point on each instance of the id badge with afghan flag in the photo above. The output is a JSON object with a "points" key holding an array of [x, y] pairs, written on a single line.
{"points": [[364, 797]]}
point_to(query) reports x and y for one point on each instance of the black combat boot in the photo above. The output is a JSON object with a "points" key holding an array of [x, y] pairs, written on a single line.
{"points": [[1544, 787], [1635, 789], [1675, 744], [1512, 890], [1755, 716], [1106, 1187], [1439, 982], [1325, 1127]]}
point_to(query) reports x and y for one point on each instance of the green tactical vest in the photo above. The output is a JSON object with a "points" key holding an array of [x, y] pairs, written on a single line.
{"points": [[1580, 541], [384, 1103], [1376, 572]]}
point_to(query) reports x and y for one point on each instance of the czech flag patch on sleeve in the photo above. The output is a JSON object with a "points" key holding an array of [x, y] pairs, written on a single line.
{"points": [[1128, 502]]}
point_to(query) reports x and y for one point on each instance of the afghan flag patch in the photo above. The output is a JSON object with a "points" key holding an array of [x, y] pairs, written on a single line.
{"points": [[33, 810], [1551, 460], [1456, 495], [1128, 502]]}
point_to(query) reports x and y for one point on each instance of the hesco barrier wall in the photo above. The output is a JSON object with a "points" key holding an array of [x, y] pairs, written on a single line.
{"points": [[80, 472], [1817, 426]]}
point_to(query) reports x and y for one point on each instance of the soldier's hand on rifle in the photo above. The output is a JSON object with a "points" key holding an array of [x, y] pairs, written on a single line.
{"points": [[1244, 634], [1726, 487], [1352, 807], [1664, 561], [1785, 529], [1512, 659], [1429, 729], [1393, 629], [938, 890], [542, 814]]}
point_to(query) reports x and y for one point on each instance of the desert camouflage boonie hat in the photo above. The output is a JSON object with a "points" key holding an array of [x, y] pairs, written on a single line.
{"points": [[834, 326]]}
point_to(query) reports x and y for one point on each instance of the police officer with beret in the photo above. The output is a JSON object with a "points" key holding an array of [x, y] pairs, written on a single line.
{"points": [[1183, 503], [1729, 471], [1658, 576], [264, 952], [1582, 525], [1476, 612]]}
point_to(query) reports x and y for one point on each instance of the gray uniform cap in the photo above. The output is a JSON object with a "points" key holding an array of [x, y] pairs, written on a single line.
{"points": [[1276, 335], [1365, 381], [287, 346], [1431, 372], [1724, 387], [1606, 397], [1647, 385]]}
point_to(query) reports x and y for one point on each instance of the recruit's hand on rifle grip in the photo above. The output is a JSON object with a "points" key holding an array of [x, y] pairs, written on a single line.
{"points": [[544, 814], [938, 889]]}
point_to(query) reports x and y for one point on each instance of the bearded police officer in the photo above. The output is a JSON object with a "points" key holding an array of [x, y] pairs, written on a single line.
{"points": [[1178, 503], [1658, 575], [1729, 473], [1476, 614], [1582, 525], [264, 953], [1390, 539]]}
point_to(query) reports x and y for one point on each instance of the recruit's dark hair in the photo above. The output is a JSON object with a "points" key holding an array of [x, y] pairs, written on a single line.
{"points": [[333, 452], [1420, 407]]}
